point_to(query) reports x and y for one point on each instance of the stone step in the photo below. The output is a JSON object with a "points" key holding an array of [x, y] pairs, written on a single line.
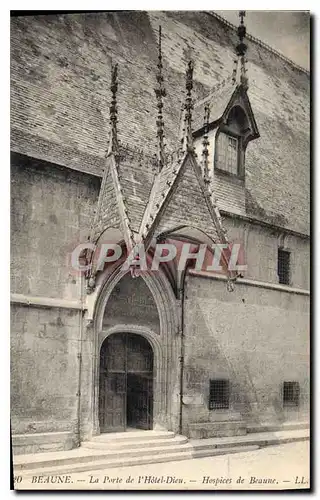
{"points": [[132, 436], [260, 439], [109, 463], [131, 461], [286, 426], [86, 459], [92, 456], [212, 452], [124, 462], [99, 444], [108, 441]]}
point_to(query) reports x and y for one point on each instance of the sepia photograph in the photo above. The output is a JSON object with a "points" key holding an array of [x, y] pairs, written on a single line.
{"points": [[160, 250]]}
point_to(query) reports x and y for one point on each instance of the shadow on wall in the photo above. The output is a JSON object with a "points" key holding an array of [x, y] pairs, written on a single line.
{"points": [[206, 359], [131, 302]]}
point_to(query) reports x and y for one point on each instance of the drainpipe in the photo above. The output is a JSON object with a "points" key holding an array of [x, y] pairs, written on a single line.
{"points": [[181, 359], [79, 356]]}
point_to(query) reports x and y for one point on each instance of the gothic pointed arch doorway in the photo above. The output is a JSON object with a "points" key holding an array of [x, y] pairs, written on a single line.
{"points": [[125, 383], [145, 306]]}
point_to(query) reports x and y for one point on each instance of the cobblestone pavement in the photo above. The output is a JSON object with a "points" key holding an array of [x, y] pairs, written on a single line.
{"points": [[275, 467]]}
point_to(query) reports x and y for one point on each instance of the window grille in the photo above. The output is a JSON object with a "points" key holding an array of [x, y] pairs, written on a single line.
{"points": [[284, 266], [228, 153], [291, 393], [219, 394]]}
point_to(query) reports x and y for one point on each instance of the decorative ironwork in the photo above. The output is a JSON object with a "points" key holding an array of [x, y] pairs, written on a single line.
{"points": [[188, 138], [283, 266], [205, 144], [241, 50], [234, 71], [160, 93], [291, 393], [114, 145], [219, 396]]}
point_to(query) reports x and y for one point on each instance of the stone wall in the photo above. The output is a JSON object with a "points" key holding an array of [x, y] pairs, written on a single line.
{"points": [[261, 245], [44, 369], [255, 337], [51, 212]]}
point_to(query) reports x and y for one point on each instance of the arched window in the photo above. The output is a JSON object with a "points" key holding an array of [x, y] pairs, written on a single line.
{"points": [[230, 143]]}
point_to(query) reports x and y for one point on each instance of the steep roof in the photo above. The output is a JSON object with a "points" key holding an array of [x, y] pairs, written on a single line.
{"points": [[217, 100], [107, 213], [182, 199], [60, 98], [125, 189], [189, 202], [162, 182], [220, 101], [136, 177]]}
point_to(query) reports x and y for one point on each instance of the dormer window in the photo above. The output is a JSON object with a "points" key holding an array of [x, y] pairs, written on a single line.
{"points": [[227, 153], [230, 143], [229, 128]]}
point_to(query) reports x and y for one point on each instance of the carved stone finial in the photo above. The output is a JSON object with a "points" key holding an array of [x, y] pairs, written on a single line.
{"points": [[242, 14], [114, 145], [160, 93], [205, 144], [188, 107], [241, 49], [230, 285], [91, 284], [234, 71]]}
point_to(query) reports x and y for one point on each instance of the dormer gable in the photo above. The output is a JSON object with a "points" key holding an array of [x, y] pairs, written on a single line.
{"points": [[239, 114], [229, 123], [231, 127]]}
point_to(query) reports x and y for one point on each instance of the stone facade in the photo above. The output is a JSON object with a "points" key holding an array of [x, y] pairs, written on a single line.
{"points": [[256, 337], [245, 338]]}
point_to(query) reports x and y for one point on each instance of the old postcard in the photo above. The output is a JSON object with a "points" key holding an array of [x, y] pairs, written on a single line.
{"points": [[160, 250]]}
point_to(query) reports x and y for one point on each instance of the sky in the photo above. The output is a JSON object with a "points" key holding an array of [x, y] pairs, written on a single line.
{"points": [[286, 31]]}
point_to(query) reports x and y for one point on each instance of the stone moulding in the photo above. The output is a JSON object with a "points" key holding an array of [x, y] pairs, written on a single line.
{"points": [[28, 300], [259, 284]]}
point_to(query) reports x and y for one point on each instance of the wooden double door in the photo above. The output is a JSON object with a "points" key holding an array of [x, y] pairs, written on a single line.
{"points": [[126, 383]]}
